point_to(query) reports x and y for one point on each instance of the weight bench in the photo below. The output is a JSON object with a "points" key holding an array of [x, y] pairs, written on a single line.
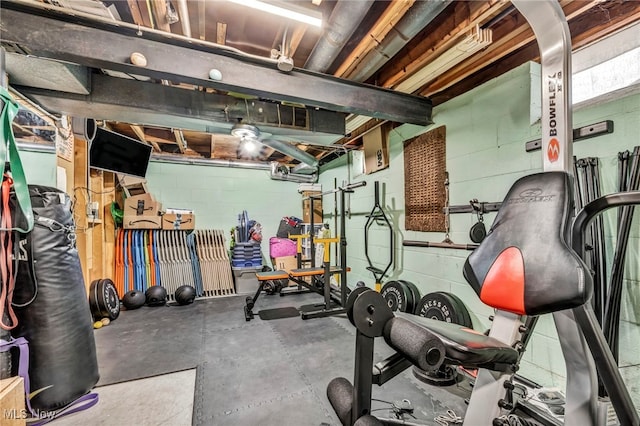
{"points": [[298, 275], [525, 267]]}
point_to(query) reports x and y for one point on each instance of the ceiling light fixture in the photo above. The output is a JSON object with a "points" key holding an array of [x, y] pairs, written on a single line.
{"points": [[245, 131], [306, 17], [249, 146]]}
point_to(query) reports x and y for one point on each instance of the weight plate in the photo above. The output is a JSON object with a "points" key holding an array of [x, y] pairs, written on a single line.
{"points": [[444, 306], [398, 295], [415, 296], [353, 295], [371, 313], [477, 232], [103, 299]]}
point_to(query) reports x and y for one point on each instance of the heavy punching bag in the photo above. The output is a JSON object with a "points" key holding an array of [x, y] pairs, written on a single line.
{"points": [[51, 304]]}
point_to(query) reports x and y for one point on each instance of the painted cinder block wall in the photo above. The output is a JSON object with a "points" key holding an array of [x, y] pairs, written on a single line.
{"points": [[486, 132], [218, 194]]}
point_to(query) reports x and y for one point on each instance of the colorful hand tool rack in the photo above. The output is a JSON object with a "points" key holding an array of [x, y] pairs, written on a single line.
{"points": [[171, 258]]}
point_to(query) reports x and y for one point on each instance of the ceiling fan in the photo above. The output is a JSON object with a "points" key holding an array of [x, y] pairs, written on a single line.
{"points": [[251, 138]]}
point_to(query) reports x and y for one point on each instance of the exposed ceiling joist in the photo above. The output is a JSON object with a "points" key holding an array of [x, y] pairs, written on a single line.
{"points": [[139, 131], [180, 141], [160, 13], [51, 33], [202, 19]]}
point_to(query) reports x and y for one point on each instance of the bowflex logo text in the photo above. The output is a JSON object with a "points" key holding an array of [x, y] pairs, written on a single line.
{"points": [[531, 195], [554, 87]]}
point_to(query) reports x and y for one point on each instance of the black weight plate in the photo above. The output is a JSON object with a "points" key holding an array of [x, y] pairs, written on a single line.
{"points": [[477, 232], [103, 299], [397, 295], [371, 313], [351, 300], [444, 306], [415, 296]]}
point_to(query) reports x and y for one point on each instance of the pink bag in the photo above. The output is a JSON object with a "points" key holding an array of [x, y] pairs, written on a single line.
{"points": [[279, 247]]}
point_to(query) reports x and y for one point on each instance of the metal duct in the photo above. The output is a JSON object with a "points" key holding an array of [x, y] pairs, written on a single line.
{"points": [[290, 150], [344, 20], [416, 18], [304, 169], [183, 10], [279, 172], [212, 162]]}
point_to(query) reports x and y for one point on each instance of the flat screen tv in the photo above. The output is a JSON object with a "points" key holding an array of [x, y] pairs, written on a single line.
{"points": [[117, 153]]}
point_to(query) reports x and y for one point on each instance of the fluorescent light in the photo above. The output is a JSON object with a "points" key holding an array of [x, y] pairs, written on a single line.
{"points": [[281, 11]]}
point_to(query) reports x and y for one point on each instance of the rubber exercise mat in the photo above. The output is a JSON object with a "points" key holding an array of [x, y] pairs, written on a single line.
{"points": [[316, 307], [278, 313]]}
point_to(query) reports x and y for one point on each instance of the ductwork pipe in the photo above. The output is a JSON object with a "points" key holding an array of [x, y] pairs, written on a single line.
{"points": [[290, 150], [416, 18], [183, 10], [212, 162], [344, 20], [285, 175]]}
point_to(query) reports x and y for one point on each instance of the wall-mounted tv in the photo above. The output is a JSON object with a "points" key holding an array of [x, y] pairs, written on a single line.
{"points": [[117, 153]]}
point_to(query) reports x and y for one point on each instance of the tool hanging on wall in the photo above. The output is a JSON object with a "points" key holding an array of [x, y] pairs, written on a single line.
{"points": [[478, 230], [378, 217]]}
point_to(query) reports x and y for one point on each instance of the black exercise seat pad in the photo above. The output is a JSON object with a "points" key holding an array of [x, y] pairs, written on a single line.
{"points": [[465, 346], [525, 265]]}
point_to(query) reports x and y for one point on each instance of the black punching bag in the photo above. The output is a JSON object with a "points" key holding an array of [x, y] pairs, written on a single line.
{"points": [[51, 305]]}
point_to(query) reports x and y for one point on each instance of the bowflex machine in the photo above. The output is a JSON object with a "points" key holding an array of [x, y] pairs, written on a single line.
{"points": [[529, 264], [320, 277]]}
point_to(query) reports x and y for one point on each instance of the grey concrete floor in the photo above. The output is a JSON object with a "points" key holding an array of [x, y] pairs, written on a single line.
{"points": [[246, 373]]}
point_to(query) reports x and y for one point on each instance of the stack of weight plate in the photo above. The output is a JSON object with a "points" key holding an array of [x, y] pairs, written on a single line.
{"points": [[403, 296]]}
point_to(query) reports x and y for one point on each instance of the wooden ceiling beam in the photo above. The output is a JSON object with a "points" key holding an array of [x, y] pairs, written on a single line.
{"points": [[202, 15], [139, 131], [145, 13], [221, 33], [160, 13], [136, 13], [296, 38], [467, 16], [394, 12], [180, 140]]}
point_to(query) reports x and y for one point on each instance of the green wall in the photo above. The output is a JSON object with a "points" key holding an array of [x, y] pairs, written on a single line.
{"points": [[39, 167], [485, 153], [218, 194]]}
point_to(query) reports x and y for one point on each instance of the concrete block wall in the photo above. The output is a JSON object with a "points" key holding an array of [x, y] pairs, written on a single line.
{"points": [[486, 132]]}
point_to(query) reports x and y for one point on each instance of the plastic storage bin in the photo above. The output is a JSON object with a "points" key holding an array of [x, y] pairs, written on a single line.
{"points": [[246, 280]]}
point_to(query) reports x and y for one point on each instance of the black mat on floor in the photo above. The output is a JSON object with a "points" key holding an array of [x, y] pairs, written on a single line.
{"points": [[256, 372], [316, 307], [278, 313]]}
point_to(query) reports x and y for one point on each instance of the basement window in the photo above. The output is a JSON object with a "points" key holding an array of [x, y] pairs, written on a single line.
{"points": [[610, 65], [615, 74]]}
